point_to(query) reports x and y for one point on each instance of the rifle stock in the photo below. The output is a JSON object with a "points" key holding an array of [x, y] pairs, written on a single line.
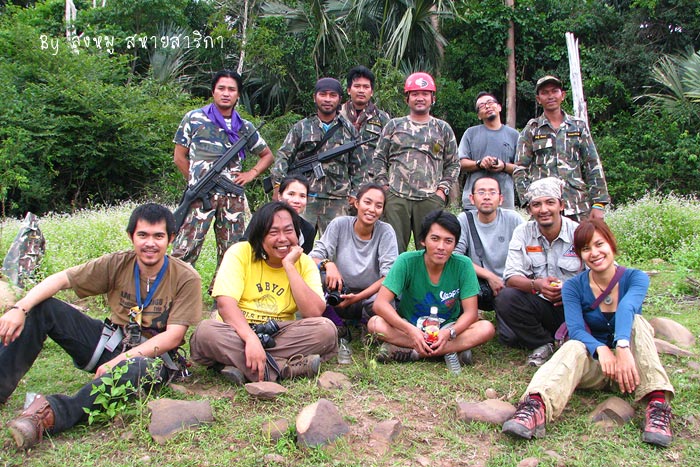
{"points": [[211, 180], [313, 162]]}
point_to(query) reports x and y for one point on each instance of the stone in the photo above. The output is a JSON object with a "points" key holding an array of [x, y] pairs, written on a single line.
{"points": [[491, 393], [266, 390], [274, 459], [424, 461], [614, 410], [667, 348], [490, 411], [169, 417], [529, 462], [319, 424], [334, 380], [274, 430], [694, 365], [671, 331], [386, 431]]}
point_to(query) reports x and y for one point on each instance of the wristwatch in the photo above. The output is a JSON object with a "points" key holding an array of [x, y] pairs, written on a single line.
{"points": [[322, 264], [453, 334], [444, 190], [622, 344]]}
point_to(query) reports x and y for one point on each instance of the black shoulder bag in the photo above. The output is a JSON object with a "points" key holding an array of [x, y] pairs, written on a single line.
{"points": [[485, 296]]}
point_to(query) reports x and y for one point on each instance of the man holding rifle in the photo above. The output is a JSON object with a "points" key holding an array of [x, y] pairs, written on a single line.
{"points": [[205, 136], [333, 180]]}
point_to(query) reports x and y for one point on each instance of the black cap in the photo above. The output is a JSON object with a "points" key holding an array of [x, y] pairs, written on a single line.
{"points": [[549, 79], [329, 84]]}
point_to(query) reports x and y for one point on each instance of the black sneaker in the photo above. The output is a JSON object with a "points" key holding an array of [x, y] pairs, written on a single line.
{"points": [[466, 358], [540, 355], [233, 375], [393, 353]]}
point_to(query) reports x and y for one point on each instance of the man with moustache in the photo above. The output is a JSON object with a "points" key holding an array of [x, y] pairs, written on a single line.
{"points": [[203, 136], [557, 144], [494, 228], [488, 150], [330, 193], [540, 259], [416, 161]]}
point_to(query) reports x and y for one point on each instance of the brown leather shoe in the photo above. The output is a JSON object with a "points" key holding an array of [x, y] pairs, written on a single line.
{"points": [[28, 429]]}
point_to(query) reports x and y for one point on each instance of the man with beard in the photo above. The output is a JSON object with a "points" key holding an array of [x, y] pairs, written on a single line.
{"points": [[557, 144], [486, 235], [488, 149], [540, 258], [416, 161], [335, 186]]}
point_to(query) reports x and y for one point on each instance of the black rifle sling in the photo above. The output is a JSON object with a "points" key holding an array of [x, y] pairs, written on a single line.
{"points": [[475, 237], [318, 146]]}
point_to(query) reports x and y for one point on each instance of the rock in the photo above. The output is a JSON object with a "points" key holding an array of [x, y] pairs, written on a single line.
{"points": [[274, 430], [387, 431], [169, 417], [554, 455], [529, 462], [266, 390], [334, 380], [671, 331], [491, 393], [274, 459], [320, 423], [670, 349], [613, 410], [490, 410], [694, 366], [423, 461]]}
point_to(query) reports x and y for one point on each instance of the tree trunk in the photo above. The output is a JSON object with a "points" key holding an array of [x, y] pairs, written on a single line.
{"points": [[510, 74]]}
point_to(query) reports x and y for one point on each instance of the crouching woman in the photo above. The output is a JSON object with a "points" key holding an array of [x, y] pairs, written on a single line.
{"points": [[610, 343], [267, 278]]}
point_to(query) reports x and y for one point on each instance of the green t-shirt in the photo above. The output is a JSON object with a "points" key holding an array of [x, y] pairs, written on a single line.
{"points": [[408, 279]]}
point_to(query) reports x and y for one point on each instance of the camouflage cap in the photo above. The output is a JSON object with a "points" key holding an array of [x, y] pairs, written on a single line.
{"points": [[329, 84], [549, 79], [549, 187]]}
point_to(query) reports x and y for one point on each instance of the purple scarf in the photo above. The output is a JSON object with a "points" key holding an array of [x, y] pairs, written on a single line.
{"points": [[236, 124]]}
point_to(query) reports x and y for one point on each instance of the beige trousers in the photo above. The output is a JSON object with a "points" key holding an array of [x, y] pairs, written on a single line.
{"points": [[572, 367]]}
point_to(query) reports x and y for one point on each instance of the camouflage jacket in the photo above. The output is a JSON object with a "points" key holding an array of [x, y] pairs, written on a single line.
{"points": [[207, 142], [343, 175], [414, 159], [368, 123], [567, 153]]}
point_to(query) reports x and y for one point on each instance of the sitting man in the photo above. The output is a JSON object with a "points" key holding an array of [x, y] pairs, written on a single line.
{"points": [[486, 235], [540, 258], [432, 277], [150, 295], [261, 284]]}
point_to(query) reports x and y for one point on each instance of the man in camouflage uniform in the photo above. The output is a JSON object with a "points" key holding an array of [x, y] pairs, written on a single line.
{"points": [[337, 185], [416, 161], [559, 145], [203, 136], [25, 253], [361, 111]]}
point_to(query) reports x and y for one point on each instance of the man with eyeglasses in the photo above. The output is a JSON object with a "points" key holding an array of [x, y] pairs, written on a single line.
{"points": [[488, 150], [494, 228]]}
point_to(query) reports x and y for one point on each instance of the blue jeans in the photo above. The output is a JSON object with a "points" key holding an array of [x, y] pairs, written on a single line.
{"points": [[78, 335]]}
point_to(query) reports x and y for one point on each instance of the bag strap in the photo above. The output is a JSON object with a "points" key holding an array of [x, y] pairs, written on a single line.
{"points": [[616, 278], [475, 237], [331, 131]]}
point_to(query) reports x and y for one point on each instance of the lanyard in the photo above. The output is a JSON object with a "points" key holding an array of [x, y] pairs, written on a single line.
{"points": [[136, 311]]}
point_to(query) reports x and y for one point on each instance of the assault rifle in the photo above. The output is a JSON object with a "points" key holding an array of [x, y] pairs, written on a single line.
{"points": [[313, 162], [211, 180]]}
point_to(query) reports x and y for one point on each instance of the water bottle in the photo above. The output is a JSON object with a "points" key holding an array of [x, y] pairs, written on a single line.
{"points": [[452, 361], [430, 325]]}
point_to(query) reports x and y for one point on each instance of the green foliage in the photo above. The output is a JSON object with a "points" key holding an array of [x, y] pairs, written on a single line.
{"points": [[655, 227], [112, 396]]}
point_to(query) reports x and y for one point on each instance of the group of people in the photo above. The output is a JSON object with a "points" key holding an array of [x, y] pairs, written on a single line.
{"points": [[286, 301]]}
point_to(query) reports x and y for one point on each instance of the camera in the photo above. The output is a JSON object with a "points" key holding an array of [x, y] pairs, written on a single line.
{"points": [[265, 331], [333, 296]]}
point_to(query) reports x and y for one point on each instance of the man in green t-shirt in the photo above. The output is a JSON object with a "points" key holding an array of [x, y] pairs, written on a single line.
{"points": [[432, 277]]}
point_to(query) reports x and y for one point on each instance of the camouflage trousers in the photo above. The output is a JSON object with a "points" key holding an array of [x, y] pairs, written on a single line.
{"points": [[406, 216], [228, 214], [321, 211]]}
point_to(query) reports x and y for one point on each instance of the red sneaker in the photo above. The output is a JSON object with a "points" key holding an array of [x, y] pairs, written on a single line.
{"points": [[528, 420], [657, 429]]}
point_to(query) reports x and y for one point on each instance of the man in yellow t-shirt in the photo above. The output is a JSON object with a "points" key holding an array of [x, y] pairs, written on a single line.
{"points": [[267, 278]]}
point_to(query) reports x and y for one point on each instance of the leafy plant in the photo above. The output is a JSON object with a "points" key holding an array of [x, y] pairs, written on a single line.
{"points": [[112, 396]]}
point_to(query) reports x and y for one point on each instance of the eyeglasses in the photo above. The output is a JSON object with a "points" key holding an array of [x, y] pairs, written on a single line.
{"points": [[483, 105], [487, 192]]}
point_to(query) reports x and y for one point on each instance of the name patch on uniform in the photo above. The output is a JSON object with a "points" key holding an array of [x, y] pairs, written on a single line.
{"points": [[570, 253], [374, 122], [573, 134], [533, 249], [538, 137]]}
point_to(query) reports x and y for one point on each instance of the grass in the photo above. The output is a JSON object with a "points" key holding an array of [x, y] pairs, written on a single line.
{"points": [[422, 395]]}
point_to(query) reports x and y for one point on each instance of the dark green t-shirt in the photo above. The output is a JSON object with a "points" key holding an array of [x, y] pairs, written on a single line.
{"points": [[408, 279]]}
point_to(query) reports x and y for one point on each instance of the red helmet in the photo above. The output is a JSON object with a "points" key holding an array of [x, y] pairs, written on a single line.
{"points": [[419, 82]]}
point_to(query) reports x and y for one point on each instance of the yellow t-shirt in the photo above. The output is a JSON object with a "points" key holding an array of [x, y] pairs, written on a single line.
{"points": [[262, 292]]}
